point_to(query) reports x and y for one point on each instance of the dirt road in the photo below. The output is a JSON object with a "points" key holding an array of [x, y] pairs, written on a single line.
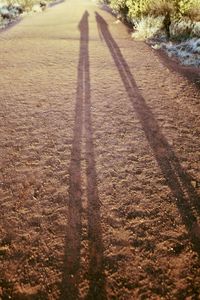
{"points": [[99, 163]]}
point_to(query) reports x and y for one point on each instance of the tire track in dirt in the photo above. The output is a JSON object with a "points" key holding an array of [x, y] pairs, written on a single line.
{"points": [[71, 272]]}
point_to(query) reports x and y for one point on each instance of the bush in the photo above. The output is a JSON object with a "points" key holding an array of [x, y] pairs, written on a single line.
{"points": [[189, 8], [196, 29], [174, 13], [188, 52], [119, 7], [139, 8], [160, 7], [148, 27], [27, 4], [182, 30]]}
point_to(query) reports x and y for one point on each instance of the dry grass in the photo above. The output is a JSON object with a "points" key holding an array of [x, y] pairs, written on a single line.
{"points": [[187, 52], [148, 27]]}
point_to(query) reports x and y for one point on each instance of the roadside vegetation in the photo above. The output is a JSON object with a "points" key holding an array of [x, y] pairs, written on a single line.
{"points": [[173, 25], [10, 10]]}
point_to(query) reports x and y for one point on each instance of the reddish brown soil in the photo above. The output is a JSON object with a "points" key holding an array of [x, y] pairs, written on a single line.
{"points": [[99, 182]]}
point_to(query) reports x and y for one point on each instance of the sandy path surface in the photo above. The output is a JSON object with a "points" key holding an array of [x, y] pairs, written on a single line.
{"points": [[99, 163]]}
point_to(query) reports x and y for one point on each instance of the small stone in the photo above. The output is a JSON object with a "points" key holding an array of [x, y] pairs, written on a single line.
{"points": [[194, 183], [3, 250], [156, 47]]}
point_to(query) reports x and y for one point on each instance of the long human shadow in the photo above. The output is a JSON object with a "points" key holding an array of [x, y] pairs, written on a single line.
{"points": [[71, 268], [96, 269], [179, 182]]}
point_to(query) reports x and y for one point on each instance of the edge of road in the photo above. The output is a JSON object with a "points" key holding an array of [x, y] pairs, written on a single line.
{"points": [[11, 24], [192, 74], [20, 18]]}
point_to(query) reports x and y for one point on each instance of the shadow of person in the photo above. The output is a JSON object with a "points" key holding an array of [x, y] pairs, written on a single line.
{"points": [[71, 268], [179, 182]]}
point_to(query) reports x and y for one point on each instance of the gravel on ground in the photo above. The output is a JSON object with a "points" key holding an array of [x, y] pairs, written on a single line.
{"points": [[99, 163]]}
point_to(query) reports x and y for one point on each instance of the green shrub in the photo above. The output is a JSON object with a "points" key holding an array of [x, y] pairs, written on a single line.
{"points": [[139, 8], [119, 7], [179, 16], [193, 10], [160, 7]]}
